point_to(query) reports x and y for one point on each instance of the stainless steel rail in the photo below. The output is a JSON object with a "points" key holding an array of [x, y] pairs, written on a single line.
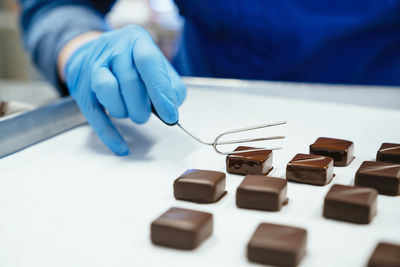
{"points": [[20, 131]]}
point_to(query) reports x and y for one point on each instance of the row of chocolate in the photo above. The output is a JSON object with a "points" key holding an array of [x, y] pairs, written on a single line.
{"points": [[316, 168], [271, 244], [345, 203], [341, 151]]}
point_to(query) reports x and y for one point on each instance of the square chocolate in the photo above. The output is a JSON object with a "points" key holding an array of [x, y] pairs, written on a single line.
{"points": [[277, 245], [181, 228], [350, 204], [262, 193], [255, 162], [385, 254], [340, 150], [200, 186], [389, 152], [310, 169], [383, 176]]}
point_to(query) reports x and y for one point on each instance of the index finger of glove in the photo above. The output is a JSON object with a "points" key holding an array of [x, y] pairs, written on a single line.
{"points": [[150, 63]]}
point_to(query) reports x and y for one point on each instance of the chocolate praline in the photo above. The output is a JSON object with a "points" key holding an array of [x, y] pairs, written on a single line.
{"points": [[383, 176], [181, 228], [389, 152], [385, 255], [310, 169], [350, 204], [201, 186], [254, 162], [277, 245], [340, 150], [262, 193]]}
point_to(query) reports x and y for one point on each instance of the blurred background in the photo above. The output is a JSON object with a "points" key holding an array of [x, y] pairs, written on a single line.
{"points": [[22, 87], [160, 17]]}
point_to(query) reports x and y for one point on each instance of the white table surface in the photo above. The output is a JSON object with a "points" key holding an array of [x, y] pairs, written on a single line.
{"points": [[69, 202]]}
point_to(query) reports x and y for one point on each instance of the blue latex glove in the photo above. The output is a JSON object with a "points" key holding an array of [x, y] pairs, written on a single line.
{"points": [[123, 72]]}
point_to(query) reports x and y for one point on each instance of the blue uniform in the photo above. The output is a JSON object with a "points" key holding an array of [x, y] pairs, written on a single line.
{"points": [[356, 42]]}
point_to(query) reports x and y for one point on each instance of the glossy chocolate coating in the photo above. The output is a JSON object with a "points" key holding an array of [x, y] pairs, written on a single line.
{"points": [[256, 162], [383, 176], [262, 193], [385, 255], [350, 204], [200, 186], [310, 169], [181, 228], [277, 245], [3, 108], [389, 152], [340, 150]]}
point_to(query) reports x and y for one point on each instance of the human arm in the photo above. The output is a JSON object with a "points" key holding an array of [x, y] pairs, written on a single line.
{"points": [[121, 71], [48, 25]]}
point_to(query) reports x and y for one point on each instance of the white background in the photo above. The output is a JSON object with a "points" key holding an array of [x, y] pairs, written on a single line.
{"points": [[69, 202]]}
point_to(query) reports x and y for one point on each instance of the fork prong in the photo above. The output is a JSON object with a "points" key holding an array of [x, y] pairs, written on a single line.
{"points": [[244, 151], [239, 141], [216, 143], [255, 127]]}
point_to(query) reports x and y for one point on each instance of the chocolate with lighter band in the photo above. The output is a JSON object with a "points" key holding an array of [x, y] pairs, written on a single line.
{"points": [[310, 169], [383, 176], [254, 162], [350, 204], [389, 152]]}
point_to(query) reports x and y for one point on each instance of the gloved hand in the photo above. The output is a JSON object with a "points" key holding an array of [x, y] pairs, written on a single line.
{"points": [[123, 72]]}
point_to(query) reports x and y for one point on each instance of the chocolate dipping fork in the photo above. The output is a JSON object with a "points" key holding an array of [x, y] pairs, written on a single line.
{"points": [[216, 142]]}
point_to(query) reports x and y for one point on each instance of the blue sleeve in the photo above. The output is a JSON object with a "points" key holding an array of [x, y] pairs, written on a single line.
{"points": [[49, 24], [200, 11]]}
